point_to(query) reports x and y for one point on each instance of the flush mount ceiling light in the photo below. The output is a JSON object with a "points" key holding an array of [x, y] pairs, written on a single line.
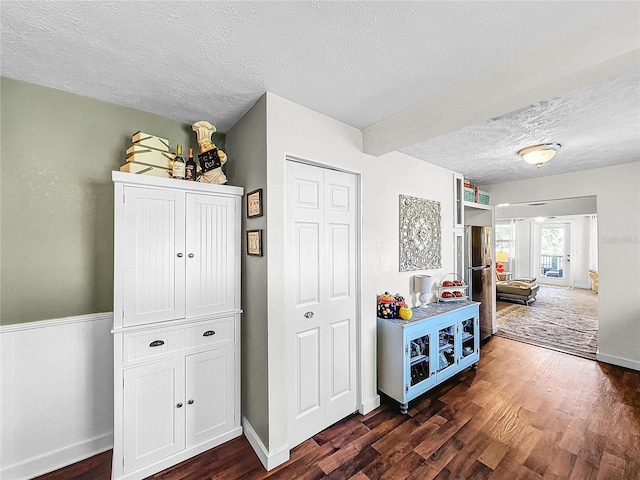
{"points": [[539, 154]]}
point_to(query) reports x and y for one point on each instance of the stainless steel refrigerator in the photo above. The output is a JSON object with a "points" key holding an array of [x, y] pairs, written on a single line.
{"points": [[478, 259]]}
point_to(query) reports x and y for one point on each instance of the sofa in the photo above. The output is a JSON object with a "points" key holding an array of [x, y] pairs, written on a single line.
{"points": [[522, 289]]}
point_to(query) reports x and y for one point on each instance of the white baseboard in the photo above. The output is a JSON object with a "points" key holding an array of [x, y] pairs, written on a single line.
{"points": [[369, 405], [268, 460], [57, 459], [619, 361]]}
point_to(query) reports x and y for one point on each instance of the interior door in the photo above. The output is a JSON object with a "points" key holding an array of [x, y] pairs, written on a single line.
{"points": [[321, 298]]}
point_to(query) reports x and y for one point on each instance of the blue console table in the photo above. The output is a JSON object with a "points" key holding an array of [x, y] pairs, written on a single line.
{"points": [[418, 354]]}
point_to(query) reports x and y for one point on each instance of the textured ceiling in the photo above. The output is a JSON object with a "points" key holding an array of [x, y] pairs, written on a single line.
{"points": [[596, 126], [358, 62]]}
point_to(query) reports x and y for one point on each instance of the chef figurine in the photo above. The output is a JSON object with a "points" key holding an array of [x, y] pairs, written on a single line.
{"points": [[210, 158]]}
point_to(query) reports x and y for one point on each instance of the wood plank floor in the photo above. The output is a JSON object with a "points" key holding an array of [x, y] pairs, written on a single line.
{"points": [[526, 413]]}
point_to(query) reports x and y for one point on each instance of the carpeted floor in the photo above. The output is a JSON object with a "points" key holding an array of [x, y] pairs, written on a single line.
{"points": [[561, 318]]}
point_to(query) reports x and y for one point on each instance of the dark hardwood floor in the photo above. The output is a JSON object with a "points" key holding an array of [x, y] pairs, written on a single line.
{"points": [[526, 413]]}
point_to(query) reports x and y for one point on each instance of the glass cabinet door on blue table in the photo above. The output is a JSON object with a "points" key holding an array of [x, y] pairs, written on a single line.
{"points": [[447, 341], [470, 340], [421, 373]]}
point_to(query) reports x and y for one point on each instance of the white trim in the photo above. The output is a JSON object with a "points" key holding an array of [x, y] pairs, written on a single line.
{"points": [[619, 361], [63, 457], [56, 322], [370, 405], [155, 182], [269, 460]]}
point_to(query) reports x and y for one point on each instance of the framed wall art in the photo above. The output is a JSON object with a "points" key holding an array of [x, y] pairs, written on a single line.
{"points": [[254, 242], [420, 234], [254, 203]]}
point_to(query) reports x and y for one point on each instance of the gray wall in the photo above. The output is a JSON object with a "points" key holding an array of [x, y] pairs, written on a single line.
{"points": [[58, 151], [247, 142]]}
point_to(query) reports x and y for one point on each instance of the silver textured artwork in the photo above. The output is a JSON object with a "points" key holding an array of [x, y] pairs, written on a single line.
{"points": [[420, 236]]}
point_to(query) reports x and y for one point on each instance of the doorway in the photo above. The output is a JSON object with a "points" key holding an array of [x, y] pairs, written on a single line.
{"points": [[552, 252], [555, 243], [322, 241]]}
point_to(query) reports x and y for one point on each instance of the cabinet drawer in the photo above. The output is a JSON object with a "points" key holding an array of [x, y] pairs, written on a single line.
{"points": [[161, 341]]}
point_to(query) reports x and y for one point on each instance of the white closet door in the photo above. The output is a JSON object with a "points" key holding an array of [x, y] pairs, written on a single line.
{"points": [[320, 310], [340, 293], [211, 254], [154, 256]]}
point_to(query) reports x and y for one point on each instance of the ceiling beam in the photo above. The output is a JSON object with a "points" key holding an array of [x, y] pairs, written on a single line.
{"points": [[604, 48]]}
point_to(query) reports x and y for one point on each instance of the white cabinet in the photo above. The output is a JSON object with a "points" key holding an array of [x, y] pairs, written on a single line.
{"points": [[176, 321], [179, 254], [416, 355]]}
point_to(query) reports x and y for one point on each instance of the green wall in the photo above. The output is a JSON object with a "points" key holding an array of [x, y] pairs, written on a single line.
{"points": [[56, 200]]}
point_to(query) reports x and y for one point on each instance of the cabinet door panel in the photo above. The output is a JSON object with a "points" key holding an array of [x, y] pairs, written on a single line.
{"points": [[210, 389], [419, 375], [211, 254], [446, 357], [153, 255], [470, 338], [153, 423]]}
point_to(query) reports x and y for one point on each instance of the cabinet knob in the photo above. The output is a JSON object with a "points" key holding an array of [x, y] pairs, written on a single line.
{"points": [[308, 315], [179, 255], [208, 333], [190, 402], [190, 255], [179, 405], [156, 343]]}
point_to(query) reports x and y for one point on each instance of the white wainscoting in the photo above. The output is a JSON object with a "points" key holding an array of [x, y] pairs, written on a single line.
{"points": [[56, 393]]}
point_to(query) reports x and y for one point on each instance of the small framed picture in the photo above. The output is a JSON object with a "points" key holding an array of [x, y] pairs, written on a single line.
{"points": [[254, 242], [254, 203]]}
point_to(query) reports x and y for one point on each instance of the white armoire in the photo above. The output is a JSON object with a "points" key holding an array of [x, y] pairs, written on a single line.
{"points": [[176, 327]]}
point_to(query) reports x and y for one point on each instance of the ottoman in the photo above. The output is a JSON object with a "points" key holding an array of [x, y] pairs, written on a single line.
{"points": [[522, 289]]}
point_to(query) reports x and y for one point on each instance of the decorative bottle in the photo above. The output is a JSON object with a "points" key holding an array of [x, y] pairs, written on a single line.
{"points": [[178, 164], [190, 172]]}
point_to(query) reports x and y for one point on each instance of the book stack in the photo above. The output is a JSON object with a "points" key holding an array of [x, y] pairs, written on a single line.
{"points": [[149, 155]]}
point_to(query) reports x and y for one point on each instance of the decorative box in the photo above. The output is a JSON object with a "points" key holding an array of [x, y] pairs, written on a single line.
{"points": [[143, 169], [468, 194], [150, 141], [480, 196], [154, 158]]}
